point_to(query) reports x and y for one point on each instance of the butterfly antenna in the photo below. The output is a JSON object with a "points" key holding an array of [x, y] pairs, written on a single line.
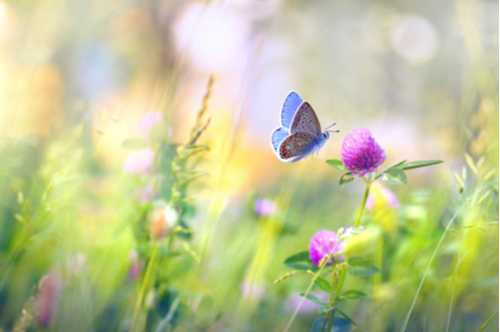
{"points": [[329, 128]]}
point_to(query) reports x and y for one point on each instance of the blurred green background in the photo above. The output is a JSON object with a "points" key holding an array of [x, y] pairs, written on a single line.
{"points": [[99, 102]]}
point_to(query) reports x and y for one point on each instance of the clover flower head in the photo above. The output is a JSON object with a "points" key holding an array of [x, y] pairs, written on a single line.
{"points": [[324, 243], [361, 154]]}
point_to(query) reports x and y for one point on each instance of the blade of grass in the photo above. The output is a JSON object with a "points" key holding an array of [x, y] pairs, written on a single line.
{"points": [[426, 271], [487, 322], [308, 290]]}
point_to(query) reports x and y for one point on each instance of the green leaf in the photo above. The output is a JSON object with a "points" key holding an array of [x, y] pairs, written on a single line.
{"points": [[395, 174], [338, 164], [420, 163], [346, 316], [460, 181], [285, 276], [346, 178], [487, 322], [353, 294], [397, 165], [470, 162], [323, 284], [299, 261]]}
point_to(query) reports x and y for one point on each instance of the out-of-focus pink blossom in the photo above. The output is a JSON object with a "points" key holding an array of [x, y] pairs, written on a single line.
{"points": [[252, 290], [139, 162], [264, 207], [148, 121], [306, 306], [135, 267], [47, 300], [414, 38], [146, 194]]}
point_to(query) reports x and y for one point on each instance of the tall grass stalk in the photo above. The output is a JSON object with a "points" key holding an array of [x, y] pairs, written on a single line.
{"points": [[322, 266], [426, 271]]}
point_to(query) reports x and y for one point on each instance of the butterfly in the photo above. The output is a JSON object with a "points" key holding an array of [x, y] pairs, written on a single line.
{"points": [[300, 133]]}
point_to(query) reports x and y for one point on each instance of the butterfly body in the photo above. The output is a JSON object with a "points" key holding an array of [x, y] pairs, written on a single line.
{"points": [[303, 145], [300, 133]]}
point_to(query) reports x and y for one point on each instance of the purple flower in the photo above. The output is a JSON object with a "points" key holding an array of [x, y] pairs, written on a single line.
{"points": [[264, 207], [361, 154], [135, 267], [47, 300], [324, 243], [139, 162]]}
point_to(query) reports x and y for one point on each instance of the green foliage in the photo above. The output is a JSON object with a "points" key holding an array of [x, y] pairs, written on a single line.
{"points": [[336, 163], [396, 172], [346, 178], [352, 294], [300, 261], [74, 91]]}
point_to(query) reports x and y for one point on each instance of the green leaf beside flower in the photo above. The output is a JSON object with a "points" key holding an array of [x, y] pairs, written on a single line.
{"points": [[338, 164], [396, 175], [314, 299], [396, 172], [323, 284], [299, 261], [352, 294], [420, 163], [346, 178]]}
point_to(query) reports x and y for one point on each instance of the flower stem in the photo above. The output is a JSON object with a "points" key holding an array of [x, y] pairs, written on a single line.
{"points": [[322, 265], [338, 278], [363, 204], [146, 284]]}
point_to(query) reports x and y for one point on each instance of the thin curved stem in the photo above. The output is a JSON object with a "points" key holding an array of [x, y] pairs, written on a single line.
{"points": [[148, 279], [426, 271], [308, 290], [357, 222]]}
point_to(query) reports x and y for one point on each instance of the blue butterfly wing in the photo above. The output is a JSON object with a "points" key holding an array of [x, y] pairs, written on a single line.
{"points": [[278, 136], [306, 121], [296, 147], [290, 107]]}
